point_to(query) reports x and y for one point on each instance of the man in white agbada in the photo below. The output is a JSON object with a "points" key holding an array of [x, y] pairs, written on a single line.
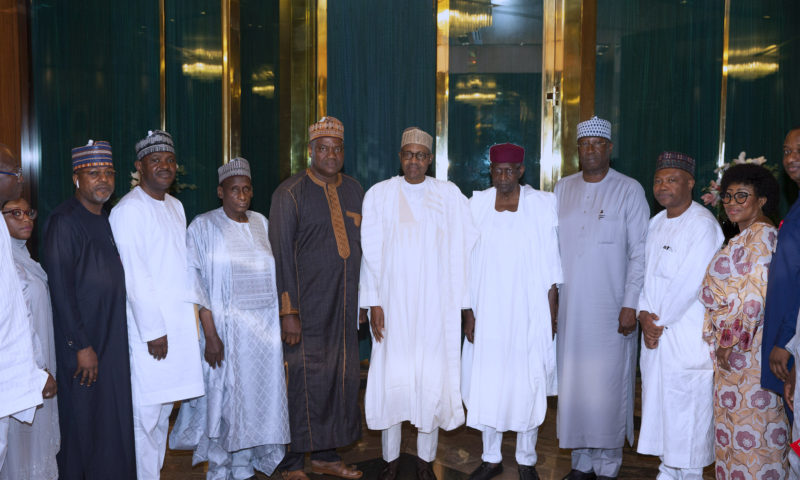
{"points": [[602, 224], [416, 237], [509, 357], [149, 226], [242, 423], [21, 381], [677, 371]]}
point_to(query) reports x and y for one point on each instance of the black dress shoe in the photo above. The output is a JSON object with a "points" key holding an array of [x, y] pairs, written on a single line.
{"points": [[606, 478], [424, 470], [485, 471], [578, 475], [527, 472], [389, 472]]}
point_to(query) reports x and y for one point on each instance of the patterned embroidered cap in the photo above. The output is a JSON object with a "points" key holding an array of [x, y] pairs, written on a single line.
{"points": [[93, 154], [676, 160], [506, 153], [417, 136], [237, 166], [155, 141], [326, 127], [594, 127]]}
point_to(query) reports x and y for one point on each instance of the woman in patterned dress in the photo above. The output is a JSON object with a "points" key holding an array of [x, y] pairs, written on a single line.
{"points": [[751, 428]]}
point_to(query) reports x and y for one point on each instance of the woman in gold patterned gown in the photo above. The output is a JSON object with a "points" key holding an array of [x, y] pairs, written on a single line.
{"points": [[751, 429]]}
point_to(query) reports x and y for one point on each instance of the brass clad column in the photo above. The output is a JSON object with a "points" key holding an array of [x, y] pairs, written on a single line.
{"points": [[231, 81], [569, 29], [442, 86], [162, 63], [723, 101], [322, 57]]}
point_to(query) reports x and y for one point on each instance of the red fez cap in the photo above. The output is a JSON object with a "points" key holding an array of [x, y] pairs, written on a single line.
{"points": [[506, 153]]}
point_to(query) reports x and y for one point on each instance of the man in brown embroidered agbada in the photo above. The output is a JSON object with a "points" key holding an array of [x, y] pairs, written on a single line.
{"points": [[314, 233]]}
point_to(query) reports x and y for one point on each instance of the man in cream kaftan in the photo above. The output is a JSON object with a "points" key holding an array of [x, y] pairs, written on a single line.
{"points": [[602, 224], [509, 362], [149, 227], [677, 371], [21, 381], [416, 239], [242, 423]]}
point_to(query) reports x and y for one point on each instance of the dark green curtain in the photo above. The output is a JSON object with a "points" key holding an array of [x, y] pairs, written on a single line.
{"points": [[763, 106], [658, 79], [194, 100], [259, 24], [95, 76], [381, 79], [513, 117]]}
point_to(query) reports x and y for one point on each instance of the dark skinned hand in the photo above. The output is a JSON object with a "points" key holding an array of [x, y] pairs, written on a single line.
{"points": [[376, 322], [627, 321], [468, 319], [50, 387], [779, 361], [651, 332], [158, 348], [87, 366], [362, 316], [788, 388], [723, 355], [291, 330], [215, 350]]}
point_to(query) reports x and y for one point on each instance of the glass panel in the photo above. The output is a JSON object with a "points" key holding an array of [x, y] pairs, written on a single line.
{"points": [[763, 103], [259, 23], [194, 97], [495, 86], [658, 80]]}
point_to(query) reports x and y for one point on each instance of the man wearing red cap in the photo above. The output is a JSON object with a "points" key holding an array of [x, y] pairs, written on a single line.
{"points": [[509, 358]]}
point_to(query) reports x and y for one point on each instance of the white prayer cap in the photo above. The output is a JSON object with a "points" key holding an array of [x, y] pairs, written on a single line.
{"points": [[237, 166], [594, 127], [417, 136]]}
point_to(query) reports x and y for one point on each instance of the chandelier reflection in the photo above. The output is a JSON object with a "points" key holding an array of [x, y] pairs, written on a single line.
{"points": [[263, 82], [202, 64], [752, 63], [466, 16], [476, 90]]}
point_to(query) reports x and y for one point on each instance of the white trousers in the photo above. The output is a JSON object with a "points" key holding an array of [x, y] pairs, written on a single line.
{"points": [[604, 462], [426, 443], [671, 473], [3, 439], [526, 446], [150, 427]]}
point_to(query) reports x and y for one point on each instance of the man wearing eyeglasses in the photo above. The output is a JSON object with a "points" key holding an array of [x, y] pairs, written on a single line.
{"points": [[21, 381], [417, 236], [602, 221], [87, 289], [314, 232], [783, 301], [677, 371]]}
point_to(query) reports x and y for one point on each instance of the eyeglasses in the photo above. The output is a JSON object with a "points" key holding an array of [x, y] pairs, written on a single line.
{"points": [[587, 144], [421, 156], [17, 173], [18, 213], [788, 151], [740, 197]]}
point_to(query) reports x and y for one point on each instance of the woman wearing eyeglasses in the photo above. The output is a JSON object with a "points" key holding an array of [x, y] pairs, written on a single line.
{"points": [[32, 447], [751, 428]]}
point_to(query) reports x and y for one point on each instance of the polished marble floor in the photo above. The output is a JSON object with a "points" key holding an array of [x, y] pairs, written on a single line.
{"points": [[459, 453]]}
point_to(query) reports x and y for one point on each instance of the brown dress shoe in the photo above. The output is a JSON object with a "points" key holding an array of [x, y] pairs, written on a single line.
{"points": [[294, 475], [336, 469]]}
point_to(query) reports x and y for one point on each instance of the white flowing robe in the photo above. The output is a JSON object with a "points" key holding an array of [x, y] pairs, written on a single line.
{"points": [[506, 373], [21, 381], [678, 375], [151, 239], [33, 447], [245, 403], [416, 270], [601, 229]]}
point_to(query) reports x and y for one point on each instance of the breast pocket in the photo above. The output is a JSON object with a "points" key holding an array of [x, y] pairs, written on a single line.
{"points": [[355, 216], [609, 229], [666, 263]]}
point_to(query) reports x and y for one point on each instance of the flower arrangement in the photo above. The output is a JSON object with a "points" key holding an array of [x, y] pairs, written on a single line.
{"points": [[176, 187], [712, 195]]}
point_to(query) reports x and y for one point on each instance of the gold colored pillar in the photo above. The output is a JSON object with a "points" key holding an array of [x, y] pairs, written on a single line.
{"points": [[442, 86], [723, 101], [162, 63], [231, 81], [302, 77]]}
